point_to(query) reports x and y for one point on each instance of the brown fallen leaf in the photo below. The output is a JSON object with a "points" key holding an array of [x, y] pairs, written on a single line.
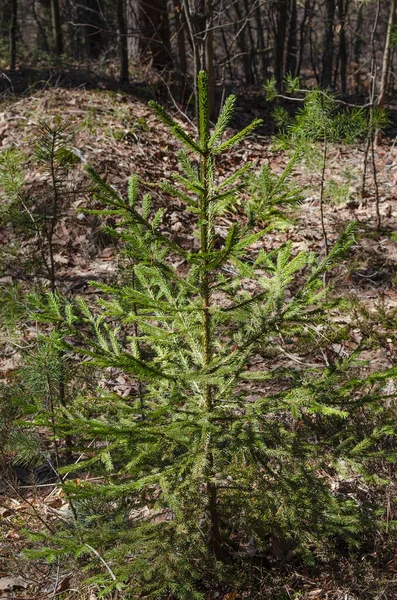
{"points": [[230, 596]]}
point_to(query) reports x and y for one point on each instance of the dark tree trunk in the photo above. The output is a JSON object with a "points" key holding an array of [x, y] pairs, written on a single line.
{"points": [[302, 38], [342, 10], [56, 27], [198, 15], [387, 54], [328, 53], [13, 34], [280, 29], [180, 36], [261, 43], [122, 26], [41, 10], [358, 46], [292, 45], [240, 32], [89, 15], [155, 32]]}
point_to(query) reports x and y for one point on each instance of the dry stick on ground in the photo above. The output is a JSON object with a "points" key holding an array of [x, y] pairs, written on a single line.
{"points": [[375, 174], [32, 506], [322, 186]]}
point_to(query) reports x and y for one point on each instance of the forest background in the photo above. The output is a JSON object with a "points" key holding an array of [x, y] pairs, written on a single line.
{"points": [[286, 489]]}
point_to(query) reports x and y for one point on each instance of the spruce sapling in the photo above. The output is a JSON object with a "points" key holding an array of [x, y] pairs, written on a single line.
{"points": [[230, 424]]}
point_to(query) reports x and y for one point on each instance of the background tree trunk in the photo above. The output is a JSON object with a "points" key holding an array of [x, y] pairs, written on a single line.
{"points": [[280, 30], [386, 55], [292, 45], [198, 15], [89, 16], [133, 29], [180, 36], [155, 31], [13, 34], [342, 10], [328, 53], [122, 25], [56, 27]]}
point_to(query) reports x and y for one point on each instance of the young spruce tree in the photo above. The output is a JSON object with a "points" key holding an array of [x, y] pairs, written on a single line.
{"points": [[224, 447]]}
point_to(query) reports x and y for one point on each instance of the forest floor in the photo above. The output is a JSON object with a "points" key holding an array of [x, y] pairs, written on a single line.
{"points": [[117, 134]]}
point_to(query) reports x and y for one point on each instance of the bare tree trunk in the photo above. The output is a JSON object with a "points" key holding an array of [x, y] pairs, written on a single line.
{"points": [[13, 34], [89, 16], [328, 53], [240, 31], [122, 26], [261, 43], [198, 15], [180, 37], [56, 27], [155, 32], [292, 44], [386, 61], [134, 29], [252, 49], [358, 46], [302, 39], [41, 15], [280, 28], [342, 11]]}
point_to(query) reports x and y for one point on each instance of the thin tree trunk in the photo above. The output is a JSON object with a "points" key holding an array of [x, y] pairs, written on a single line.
{"points": [[292, 44], [386, 61], [322, 189], [261, 43], [328, 54], [155, 32], [279, 41], [209, 53], [358, 46], [13, 34], [214, 541], [372, 93], [180, 37], [302, 39], [199, 21], [342, 11], [122, 25], [240, 30], [56, 27], [252, 49]]}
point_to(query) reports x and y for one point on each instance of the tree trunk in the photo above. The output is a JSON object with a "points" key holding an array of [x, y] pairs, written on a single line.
{"points": [[155, 32], [56, 27], [302, 39], [133, 29], [13, 34], [280, 30], [292, 45], [261, 43], [122, 26], [180, 36], [89, 16], [342, 10], [328, 53], [41, 11], [198, 15], [358, 47], [240, 31], [386, 55]]}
